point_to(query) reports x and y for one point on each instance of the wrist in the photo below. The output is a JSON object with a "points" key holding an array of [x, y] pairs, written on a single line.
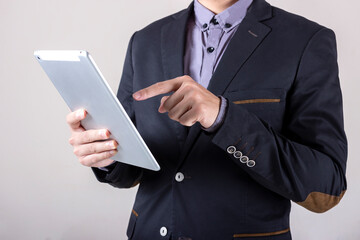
{"points": [[220, 116]]}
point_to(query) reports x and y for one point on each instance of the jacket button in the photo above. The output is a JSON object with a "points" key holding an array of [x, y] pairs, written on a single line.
{"points": [[244, 159], [179, 177], [237, 154], [231, 149], [210, 49], [228, 25], [250, 163], [163, 231], [205, 25]]}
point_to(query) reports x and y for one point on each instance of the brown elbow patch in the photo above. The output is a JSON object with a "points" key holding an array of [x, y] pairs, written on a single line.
{"points": [[321, 202]]}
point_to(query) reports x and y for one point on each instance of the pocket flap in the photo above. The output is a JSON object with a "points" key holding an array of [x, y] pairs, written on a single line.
{"points": [[275, 95]]}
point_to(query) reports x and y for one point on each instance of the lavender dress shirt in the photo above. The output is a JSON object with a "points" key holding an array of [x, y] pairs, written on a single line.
{"points": [[208, 36]]}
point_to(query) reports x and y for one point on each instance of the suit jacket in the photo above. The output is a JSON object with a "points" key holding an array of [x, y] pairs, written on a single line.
{"points": [[280, 76]]}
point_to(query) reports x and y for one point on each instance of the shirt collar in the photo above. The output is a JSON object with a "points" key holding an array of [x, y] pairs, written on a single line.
{"points": [[227, 19]]}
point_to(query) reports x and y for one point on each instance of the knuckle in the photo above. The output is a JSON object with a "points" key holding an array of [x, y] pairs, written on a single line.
{"points": [[82, 161], [76, 151], [94, 160], [201, 107], [90, 160], [86, 136], [92, 148], [163, 99], [187, 78], [187, 86], [171, 115], [197, 96], [185, 122], [197, 110], [159, 86], [182, 121], [107, 155], [69, 118], [192, 97]]}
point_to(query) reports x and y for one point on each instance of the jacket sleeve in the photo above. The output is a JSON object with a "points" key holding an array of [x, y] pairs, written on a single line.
{"points": [[123, 175], [305, 163]]}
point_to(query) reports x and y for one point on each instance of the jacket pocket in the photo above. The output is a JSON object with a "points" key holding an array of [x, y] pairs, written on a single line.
{"points": [[266, 104], [132, 222]]}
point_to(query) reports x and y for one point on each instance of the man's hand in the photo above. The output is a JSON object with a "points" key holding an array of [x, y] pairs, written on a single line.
{"points": [[190, 102], [89, 146]]}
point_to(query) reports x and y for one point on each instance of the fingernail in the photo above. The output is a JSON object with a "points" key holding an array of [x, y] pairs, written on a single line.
{"points": [[137, 95], [161, 109], [110, 144], [103, 133], [112, 152], [80, 113]]}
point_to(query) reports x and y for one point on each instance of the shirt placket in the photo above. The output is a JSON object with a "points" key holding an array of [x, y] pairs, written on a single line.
{"points": [[209, 53]]}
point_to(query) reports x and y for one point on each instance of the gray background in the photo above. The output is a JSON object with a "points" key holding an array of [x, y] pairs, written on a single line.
{"points": [[44, 192]]}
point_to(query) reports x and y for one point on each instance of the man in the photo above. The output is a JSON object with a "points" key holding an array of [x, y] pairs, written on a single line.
{"points": [[256, 123]]}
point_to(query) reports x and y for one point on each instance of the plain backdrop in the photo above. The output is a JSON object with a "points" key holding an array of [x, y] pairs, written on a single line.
{"points": [[44, 192]]}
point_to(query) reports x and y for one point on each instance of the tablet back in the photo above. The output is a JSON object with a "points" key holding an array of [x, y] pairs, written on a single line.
{"points": [[80, 83]]}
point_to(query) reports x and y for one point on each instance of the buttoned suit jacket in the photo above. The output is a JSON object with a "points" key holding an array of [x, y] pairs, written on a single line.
{"points": [[280, 76]]}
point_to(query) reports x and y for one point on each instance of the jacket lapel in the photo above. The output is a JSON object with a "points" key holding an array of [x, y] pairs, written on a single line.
{"points": [[173, 36], [247, 38]]}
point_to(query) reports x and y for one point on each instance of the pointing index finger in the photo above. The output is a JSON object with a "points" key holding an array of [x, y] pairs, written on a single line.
{"points": [[157, 89]]}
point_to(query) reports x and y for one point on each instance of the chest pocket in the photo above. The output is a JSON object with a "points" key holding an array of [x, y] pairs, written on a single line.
{"points": [[266, 104]]}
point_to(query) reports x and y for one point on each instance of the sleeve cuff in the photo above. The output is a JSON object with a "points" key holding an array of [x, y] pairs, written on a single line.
{"points": [[108, 168], [220, 117]]}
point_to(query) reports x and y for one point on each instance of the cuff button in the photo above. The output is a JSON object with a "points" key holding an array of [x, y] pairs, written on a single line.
{"points": [[237, 154], [251, 163], [244, 159], [231, 149]]}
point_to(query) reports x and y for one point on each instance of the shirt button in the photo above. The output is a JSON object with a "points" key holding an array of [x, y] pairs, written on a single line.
{"points": [[214, 21], [205, 25], [179, 177], [231, 149], [163, 231], [210, 49], [228, 25]]}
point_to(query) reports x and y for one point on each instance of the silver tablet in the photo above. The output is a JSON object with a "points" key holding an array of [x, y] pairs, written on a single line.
{"points": [[81, 85]]}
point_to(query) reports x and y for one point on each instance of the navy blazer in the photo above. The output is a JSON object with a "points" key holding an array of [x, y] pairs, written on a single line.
{"points": [[282, 138]]}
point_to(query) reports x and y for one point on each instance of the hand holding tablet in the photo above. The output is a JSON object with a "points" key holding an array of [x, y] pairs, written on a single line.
{"points": [[92, 147], [82, 86]]}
